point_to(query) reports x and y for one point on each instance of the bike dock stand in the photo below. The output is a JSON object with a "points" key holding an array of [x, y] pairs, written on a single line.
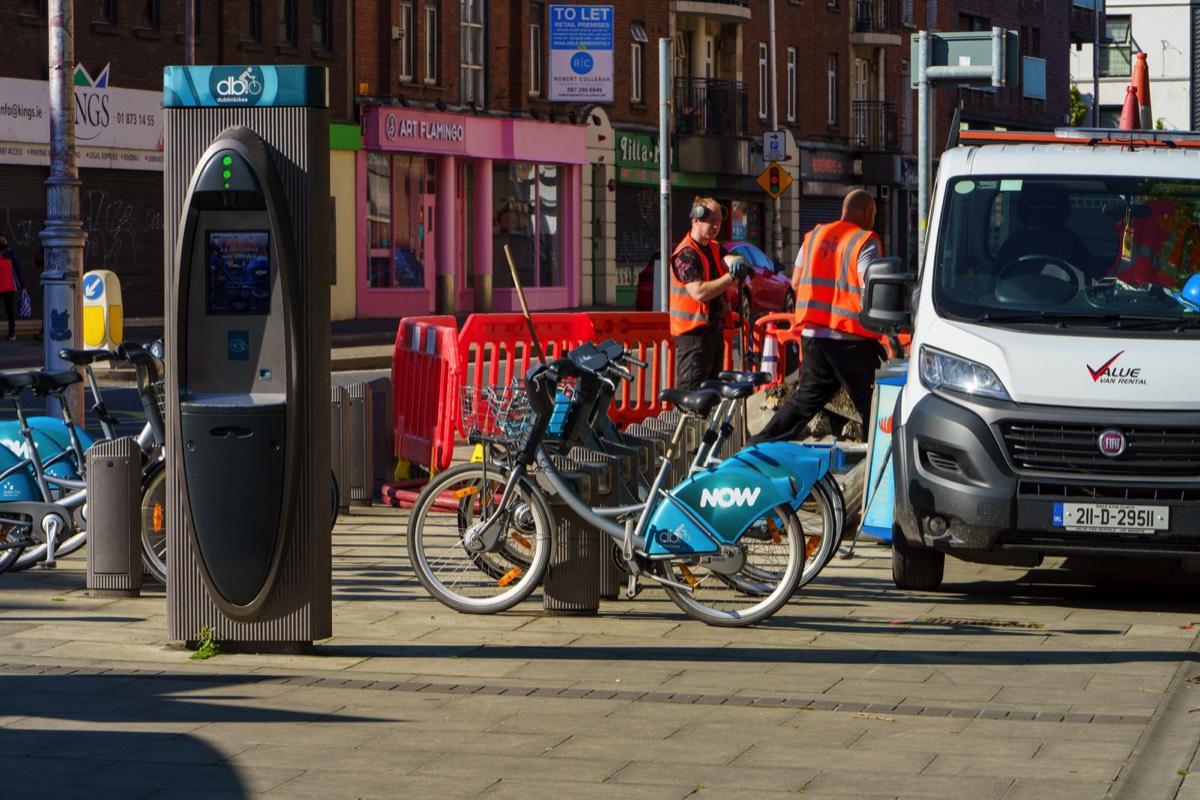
{"points": [[572, 583], [605, 468], [114, 553]]}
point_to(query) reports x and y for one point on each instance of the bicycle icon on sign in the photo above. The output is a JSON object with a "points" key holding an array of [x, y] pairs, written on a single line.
{"points": [[252, 84]]}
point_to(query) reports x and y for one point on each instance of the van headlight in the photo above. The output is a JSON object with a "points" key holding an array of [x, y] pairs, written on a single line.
{"points": [[942, 371]]}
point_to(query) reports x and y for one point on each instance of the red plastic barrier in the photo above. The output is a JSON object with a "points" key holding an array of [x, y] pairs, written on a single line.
{"points": [[426, 377], [782, 327], [496, 348]]}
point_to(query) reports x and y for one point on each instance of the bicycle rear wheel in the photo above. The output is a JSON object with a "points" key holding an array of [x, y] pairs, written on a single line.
{"points": [[818, 518], [751, 588], [154, 520], [479, 580]]}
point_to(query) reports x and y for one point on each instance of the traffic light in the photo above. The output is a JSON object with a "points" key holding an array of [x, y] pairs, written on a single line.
{"points": [[774, 180]]}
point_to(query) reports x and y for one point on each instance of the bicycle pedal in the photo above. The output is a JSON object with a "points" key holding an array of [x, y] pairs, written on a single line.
{"points": [[632, 589]]}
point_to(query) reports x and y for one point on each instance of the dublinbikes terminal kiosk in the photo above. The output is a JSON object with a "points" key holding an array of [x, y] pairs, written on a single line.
{"points": [[246, 183]]}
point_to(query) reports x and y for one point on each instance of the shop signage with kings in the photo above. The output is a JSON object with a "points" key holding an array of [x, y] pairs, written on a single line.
{"points": [[774, 180]]}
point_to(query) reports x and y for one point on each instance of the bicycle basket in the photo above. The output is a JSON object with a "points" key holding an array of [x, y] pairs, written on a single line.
{"points": [[497, 412]]}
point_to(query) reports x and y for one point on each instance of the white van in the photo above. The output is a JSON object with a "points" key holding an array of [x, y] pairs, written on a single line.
{"points": [[1052, 399]]}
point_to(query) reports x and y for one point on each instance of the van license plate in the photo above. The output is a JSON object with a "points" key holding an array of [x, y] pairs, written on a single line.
{"points": [[1112, 518]]}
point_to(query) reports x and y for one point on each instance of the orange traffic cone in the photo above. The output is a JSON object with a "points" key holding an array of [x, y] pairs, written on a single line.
{"points": [[1129, 111], [1141, 82]]}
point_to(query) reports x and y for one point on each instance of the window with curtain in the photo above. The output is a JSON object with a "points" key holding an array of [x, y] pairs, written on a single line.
{"points": [[791, 84], [471, 51], [322, 25], [1116, 52], [535, 50], [763, 85], [254, 20], [287, 22], [526, 221], [407, 33], [150, 16], [831, 88], [432, 43], [636, 73]]}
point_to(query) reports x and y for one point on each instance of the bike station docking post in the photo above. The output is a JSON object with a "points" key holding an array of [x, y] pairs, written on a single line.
{"points": [[246, 218], [114, 553], [572, 583]]}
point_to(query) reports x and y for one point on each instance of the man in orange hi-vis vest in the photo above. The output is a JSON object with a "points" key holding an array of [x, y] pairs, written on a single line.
{"points": [[835, 350], [701, 272]]}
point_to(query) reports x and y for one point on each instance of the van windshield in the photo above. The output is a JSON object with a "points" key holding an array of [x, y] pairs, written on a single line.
{"points": [[1072, 251]]}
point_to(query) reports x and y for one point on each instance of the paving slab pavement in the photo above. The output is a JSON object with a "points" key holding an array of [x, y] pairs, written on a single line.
{"points": [[1007, 684]]}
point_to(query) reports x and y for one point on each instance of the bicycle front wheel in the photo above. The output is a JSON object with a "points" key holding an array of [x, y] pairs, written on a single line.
{"points": [[748, 588], [507, 562]]}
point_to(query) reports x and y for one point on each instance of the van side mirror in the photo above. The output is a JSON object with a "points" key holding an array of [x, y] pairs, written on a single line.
{"points": [[887, 297]]}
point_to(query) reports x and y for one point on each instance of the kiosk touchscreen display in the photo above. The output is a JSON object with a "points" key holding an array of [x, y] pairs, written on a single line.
{"points": [[238, 273]]}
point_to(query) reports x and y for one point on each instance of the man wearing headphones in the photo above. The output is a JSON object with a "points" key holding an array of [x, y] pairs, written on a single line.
{"points": [[701, 272]]}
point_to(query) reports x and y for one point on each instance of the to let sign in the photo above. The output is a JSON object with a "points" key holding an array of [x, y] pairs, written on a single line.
{"points": [[581, 53]]}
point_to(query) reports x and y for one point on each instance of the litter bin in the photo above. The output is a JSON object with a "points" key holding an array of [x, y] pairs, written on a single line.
{"points": [[572, 583], [114, 564]]}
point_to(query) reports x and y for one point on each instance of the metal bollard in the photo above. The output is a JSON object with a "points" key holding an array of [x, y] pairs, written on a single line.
{"points": [[338, 426], [383, 440], [114, 564], [360, 484], [572, 583], [612, 574]]}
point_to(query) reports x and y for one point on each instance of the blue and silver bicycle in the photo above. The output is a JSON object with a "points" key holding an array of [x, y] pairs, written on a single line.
{"points": [[725, 544]]}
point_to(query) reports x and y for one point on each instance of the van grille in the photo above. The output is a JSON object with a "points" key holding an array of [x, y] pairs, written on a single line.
{"points": [[1074, 449]]}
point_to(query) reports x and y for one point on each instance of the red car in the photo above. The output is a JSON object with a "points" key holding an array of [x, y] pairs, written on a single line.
{"points": [[767, 289]]}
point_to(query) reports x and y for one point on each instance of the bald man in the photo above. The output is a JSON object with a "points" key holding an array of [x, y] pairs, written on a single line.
{"points": [[835, 349]]}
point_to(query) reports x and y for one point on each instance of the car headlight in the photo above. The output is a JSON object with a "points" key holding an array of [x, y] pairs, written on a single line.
{"points": [[942, 371]]}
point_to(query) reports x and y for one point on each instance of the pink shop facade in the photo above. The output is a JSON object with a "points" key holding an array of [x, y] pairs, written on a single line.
{"points": [[444, 198]]}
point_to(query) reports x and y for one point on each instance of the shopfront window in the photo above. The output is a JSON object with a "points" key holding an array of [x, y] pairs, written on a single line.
{"points": [[395, 222], [525, 205]]}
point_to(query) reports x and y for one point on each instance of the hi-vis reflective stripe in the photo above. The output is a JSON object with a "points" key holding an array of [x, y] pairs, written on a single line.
{"points": [[829, 307], [849, 252]]}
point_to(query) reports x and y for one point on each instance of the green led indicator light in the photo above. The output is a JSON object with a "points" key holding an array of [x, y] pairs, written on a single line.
{"points": [[227, 160], [226, 174], [226, 185]]}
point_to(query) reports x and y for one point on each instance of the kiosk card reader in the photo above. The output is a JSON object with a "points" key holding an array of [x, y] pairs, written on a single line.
{"points": [[236, 295]]}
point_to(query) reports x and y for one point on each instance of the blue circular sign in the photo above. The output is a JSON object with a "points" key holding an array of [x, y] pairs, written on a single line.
{"points": [[582, 63], [93, 285]]}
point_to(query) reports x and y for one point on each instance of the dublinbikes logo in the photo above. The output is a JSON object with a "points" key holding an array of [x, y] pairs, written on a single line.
{"points": [[727, 497], [236, 87]]}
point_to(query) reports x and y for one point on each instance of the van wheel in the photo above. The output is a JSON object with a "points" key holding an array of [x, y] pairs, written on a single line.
{"points": [[917, 568]]}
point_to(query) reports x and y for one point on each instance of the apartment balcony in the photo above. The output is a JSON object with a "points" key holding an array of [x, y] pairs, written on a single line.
{"points": [[875, 126], [735, 11], [1082, 24], [877, 23], [710, 107]]}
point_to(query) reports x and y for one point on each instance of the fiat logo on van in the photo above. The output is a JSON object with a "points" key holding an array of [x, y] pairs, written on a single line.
{"points": [[1111, 442]]}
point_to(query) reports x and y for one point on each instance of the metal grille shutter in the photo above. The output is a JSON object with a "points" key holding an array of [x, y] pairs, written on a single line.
{"points": [[815, 210], [637, 229], [122, 212], [122, 216]]}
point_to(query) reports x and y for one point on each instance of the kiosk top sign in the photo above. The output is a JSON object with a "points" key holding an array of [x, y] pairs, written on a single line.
{"points": [[223, 86]]}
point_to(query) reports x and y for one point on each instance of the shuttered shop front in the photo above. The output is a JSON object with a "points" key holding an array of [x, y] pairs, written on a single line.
{"points": [[121, 211]]}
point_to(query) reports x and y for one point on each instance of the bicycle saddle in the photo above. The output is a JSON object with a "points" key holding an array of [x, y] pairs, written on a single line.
{"points": [[81, 358], [698, 401], [729, 390], [756, 378], [45, 383], [11, 383]]}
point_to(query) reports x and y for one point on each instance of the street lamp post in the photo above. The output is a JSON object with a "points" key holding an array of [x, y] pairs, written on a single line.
{"points": [[63, 236]]}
